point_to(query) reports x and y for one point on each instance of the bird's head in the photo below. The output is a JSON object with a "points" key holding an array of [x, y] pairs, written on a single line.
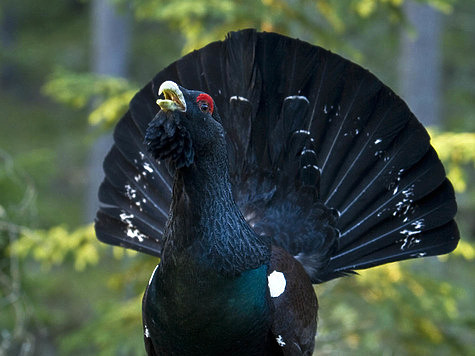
{"points": [[187, 124]]}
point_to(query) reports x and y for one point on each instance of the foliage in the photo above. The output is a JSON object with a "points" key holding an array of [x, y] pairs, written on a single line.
{"points": [[16, 206], [201, 22], [416, 313], [110, 94], [53, 246], [457, 151], [103, 338], [458, 83]]}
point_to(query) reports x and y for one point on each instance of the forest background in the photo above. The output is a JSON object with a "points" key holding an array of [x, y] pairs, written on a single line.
{"points": [[68, 69]]}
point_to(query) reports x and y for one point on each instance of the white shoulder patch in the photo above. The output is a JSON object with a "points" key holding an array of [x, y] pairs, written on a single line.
{"points": [[276, 282]]}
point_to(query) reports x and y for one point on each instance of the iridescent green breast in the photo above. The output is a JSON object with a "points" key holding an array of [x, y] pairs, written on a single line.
{"points": [[192, 313]]}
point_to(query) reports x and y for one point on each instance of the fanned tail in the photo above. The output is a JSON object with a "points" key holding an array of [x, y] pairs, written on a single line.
{"points": [[136, 193], [324, 159]]}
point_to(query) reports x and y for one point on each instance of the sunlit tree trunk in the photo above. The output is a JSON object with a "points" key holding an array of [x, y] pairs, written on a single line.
{"points": [[421, 62], [421, 71], [111, 36]]}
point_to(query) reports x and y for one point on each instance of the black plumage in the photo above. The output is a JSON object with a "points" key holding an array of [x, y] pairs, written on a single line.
{"points": [[311, 169]]}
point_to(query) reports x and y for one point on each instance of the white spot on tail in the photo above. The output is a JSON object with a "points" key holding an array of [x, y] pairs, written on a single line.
{"points": [[418, 224], [131, 193], [131, 230], [409, 232], [313, 166], [420, 254], [236, 97], [276, 282], [135, 234], [300, 97], [125, 218], [146, 332], [280, 341], [147, 167], [409, 241], [307, 150]]}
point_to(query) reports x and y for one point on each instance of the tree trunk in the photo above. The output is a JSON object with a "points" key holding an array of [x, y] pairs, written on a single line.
{"points": [[421, 63], [111, 38]]}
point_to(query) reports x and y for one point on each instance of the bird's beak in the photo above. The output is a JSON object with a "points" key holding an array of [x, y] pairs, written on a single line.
{"points": [[174, 99]]}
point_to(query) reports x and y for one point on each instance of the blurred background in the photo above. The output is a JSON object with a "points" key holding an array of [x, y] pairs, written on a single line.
{"points": [[68, 69]]}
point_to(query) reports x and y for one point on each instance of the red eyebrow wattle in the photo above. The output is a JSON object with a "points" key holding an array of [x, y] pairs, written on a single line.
{"points": [[207, 98]]}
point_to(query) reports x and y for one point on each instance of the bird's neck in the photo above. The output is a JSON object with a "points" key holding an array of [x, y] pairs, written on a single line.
{"points": [[208, 180], [205, 221]]}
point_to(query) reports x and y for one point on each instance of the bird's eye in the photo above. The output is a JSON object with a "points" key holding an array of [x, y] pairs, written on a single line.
{"points": [[204, 107], [205, 103]]}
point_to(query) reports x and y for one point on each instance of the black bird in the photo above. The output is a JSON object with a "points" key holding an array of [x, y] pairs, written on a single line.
{"points": [[311, 169]]}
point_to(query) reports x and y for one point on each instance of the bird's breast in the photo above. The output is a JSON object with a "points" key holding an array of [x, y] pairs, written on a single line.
{"points": [[206, 312]]}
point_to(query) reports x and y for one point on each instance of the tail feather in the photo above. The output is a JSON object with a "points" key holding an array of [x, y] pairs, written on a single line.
{"points": [[109, 229], [142, 195], [384, 177], [136, 193], [133, 218], [129, 203], [415, 184], [360, 146], [342, 128], [432, 243], [427, 214], [324, 158]]}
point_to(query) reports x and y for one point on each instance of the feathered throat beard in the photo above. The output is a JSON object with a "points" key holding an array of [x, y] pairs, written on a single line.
{"points": [[167, 139]]}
